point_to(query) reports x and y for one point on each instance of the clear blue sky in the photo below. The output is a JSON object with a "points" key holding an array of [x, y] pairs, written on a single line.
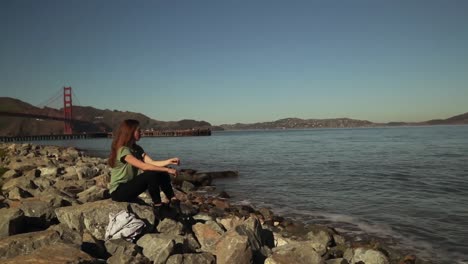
{"points": [[241, 61]]}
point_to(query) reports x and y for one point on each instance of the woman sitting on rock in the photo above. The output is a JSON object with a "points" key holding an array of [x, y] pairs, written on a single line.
{"points": [[126, 158]]}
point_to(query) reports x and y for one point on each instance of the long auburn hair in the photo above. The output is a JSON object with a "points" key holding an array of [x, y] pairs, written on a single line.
{"points": [[123, 137]]}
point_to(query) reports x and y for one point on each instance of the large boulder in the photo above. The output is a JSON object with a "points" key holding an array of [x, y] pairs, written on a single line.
{"points": [[23, 164], [157, 248], [123, 251], [233, 248], [10, 174], [92, 194], [54, 254], [202, 258], [298, 252], [12, 221], [170, 227], [23, 244], [21, 182], [207, 234], [320, 238], [67, 235], [17, 193], [230, 222], [39, 213], [94, 217], [366, 255]]}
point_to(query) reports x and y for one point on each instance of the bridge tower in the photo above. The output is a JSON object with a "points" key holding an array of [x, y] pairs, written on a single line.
{"points": [[67, 110]]}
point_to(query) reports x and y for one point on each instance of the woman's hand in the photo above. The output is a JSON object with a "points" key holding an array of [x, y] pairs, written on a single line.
{"points": [[173, 172], [174, 161]]}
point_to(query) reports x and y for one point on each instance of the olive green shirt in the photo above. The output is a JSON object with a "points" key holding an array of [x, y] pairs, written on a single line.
{"points": [[123, 172]]}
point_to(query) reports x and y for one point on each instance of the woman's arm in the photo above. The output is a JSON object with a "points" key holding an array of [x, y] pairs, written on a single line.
{"points": [[130, 159], [160, 163]]}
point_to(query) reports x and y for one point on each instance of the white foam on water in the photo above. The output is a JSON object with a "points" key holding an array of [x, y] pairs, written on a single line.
{"points": [[355, 226]]}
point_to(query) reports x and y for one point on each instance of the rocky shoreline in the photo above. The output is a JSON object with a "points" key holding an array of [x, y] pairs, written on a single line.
{"points": [[54, 208]]}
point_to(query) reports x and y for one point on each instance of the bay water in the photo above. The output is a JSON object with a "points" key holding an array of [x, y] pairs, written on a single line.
{"points": [[407, 185]]}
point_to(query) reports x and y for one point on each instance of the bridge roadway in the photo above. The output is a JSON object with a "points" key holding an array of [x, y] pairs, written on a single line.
{"points": [[3, 113]]}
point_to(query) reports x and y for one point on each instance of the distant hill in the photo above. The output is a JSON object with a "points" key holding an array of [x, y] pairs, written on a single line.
{"points": [[89, 119], [454, 120], [301, 123], [288, 123]]}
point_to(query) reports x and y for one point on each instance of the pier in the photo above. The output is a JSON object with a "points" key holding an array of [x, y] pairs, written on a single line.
{"points": [[177, 133], [54, 137], [147, 133]]}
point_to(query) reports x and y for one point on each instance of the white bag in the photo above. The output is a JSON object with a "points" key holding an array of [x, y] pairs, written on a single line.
{"points": [[123, 225]]}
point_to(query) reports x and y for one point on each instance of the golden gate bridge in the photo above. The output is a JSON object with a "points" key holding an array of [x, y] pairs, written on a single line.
{"points": [[66, 117]]}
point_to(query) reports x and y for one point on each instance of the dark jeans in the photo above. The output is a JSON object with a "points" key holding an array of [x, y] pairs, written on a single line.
{"points": [[152, 181]]}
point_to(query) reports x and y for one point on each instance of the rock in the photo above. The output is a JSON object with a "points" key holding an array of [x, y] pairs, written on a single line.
{"points": [[408, 259], [123, 251], [43, 183], [339, 239], [297, 252], [22, 165], [337, 261], [67, 235], [156, 248], [203, 258], [203, 217], [70, 174], [198, 179], [10, 174], [94, 217], [21, 182], [55, 198], [102, 181], [17, 193], [222, 174], [72, 153], [207, 234], [128, 259], [93, 246], [230, 222], [48, 172], [12, 221], [221, 203], [115, 246], [252, 230], [92, 194], [170, 227], [72, 187], [223, 194], [85, 172], [366, 255], [187, 209], [320, 239], [39, 213], [266, 213], [280, 240], [187, 186], [192, 243], [54, 254], [233, 248], [22, 244]]}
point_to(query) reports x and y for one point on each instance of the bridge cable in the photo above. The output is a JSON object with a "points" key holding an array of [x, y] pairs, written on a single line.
{"points": [[76, 98], [50, 99]]}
